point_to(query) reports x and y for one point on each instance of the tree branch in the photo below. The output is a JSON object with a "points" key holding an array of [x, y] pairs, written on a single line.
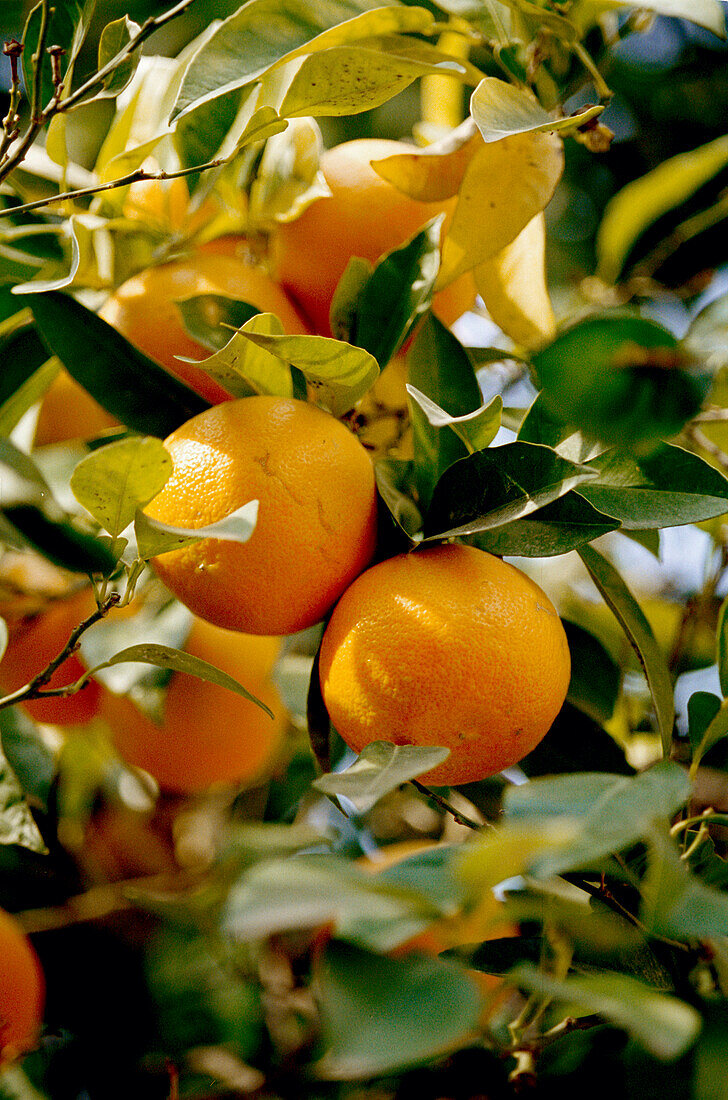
{"points": [[460, 818]]}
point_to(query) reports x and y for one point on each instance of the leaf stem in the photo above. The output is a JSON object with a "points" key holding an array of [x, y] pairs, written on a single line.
{"points": [[460, 818]]}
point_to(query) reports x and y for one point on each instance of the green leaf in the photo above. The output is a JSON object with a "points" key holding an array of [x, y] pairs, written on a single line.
{"points": [[721, 637], [315, 890], [703, 707], [706, 13], [209, 317], [644, 200], [22, 354], [135, 390], [439, 367], [32, 761], [476, 429], [380, 768], [500, 110], [395, 484], [564, 525], [113, 481], [596, 677], [716, 731], [397, 292], [639, 632], [665, 1026], [621, 378], [67, 23], [675, 902], [340, 373], [17, 825], [707, 337], [154, 537], [242, 367], [494, 487], [381, 1015], [114, 38], [264, 33], [666, 488], [59, 541], [162, 656]]}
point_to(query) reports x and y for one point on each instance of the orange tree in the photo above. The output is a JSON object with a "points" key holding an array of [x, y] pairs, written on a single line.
{"points": [[243, 358]]}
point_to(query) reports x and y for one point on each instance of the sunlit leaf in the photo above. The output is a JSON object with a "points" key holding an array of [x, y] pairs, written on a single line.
{"points": [[435, 172], [706, 13], [632, 620], [381, 1015], [642, 201], [154, 537], [513, 287], [209, 318], [476, 429], [243, 368], [288, 178], [380, 768], [501, 110], [556, 528], [115, 37], [113, 481]]}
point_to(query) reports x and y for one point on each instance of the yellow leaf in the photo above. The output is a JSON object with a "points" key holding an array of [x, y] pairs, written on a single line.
{"points": [[511, 849], [436, 172], [506, 184], [513, 286]]}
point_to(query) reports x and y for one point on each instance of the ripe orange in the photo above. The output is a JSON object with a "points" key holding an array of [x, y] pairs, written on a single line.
{"points": [[69, 412], [143, 310], [22, 991], [209, 734], [446, 646], [364, 216], [163, 205], [316, 526], [34, 644]]}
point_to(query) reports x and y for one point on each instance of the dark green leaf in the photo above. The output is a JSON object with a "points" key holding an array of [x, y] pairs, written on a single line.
{"points": [[477, 429], [65, 22], [621, 378], [398, 291], [381, 1015], [557, 528], [632, 620], [666, 488], [439, 367], [209, 318], [497, 486], [703, 708], [33, 763], [674, 901], [60, 541], [22, 355], [721, 638], [595, 676], [394, 481], [141, 394]]}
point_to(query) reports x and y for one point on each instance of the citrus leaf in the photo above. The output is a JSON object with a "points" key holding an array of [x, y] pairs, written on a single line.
{"points": [[243, 47], [621, 378], [476, 429], [506, 184], [381, 1015], [395, 482], [646, 199], [131, 387], [339, 372], [512, 849], [513, 287], [663, 1025], [113, 481], [243, 368], [209, 317], [703, 707], [632, 620], [17, 825], [436, 172], [162, 656], [501, 110], [381, 767], [33, 762], [674, 902], [66, 27], [722, 646], [114, 38], [59, 541], [596, 677], [556, 528], [706, 13], [716, 731], [497, 486], [154, 537], [665, 488]]}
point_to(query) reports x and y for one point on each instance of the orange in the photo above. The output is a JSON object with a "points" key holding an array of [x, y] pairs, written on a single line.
{"points": [[22, 991], [163, 206], [143, 310], [446, 646], [316, 526], [209, 734], [31, 648], [364, 216], [68, 411]]}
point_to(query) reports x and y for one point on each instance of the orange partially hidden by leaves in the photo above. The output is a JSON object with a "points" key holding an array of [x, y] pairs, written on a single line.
{"points": [[364, 216], [34, 644], [446, 646], [164, 205], [143, 310], [209, 734], [316, 527], [22, 991], [68, 411]]}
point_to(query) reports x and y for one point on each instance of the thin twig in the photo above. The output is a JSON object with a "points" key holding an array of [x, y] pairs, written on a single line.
{"points": [[34, 688], [460, 818], [37, 63]]}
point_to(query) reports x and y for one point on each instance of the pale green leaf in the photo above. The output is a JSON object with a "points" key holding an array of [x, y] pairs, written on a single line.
{"points": [[501, 110], [635, 625], [113, 481], [115, 37], [31, 391], [288, 178], [476, 429], [155, 538], [339, 372], [380, 768], [241, 365], [644, 200]]}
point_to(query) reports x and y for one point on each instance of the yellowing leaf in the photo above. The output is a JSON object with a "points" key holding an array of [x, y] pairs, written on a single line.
{"points": [[241, 365], [646, 199], [289, 178], [113, 481], [511, 849], [436, 172], [506, 184], [513, 286], [500, 110], [706, 13]]}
